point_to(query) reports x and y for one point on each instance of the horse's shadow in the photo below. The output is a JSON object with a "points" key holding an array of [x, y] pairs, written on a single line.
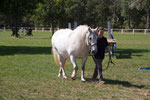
{"points": [[12, 50], [117, 82]]}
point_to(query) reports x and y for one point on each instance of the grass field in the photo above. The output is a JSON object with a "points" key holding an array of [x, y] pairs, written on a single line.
{"points": [[28, 71]]}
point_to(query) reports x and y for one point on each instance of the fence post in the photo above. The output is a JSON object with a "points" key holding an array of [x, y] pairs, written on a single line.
{"points": [[50, 29], [145, 31], [133, 31], [4, 29], [121, 31], [69, 25], [42, 29], [58, 28], [35, 29], [75, 24]]}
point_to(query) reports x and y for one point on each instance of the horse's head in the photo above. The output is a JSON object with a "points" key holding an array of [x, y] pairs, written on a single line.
{"points": [[92, 40]]}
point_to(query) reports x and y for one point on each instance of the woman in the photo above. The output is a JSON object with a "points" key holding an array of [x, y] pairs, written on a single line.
{"points": [[102, 44]]}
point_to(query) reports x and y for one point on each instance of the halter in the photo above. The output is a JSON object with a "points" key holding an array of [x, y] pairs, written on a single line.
{"points": [[89, 44]]}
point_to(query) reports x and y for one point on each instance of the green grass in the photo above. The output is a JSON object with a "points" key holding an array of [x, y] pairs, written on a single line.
{"points": [[28, 71]]}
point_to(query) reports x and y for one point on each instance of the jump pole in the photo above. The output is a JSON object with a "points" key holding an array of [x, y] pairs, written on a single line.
{"points": [[144, 67], [109, 30]]}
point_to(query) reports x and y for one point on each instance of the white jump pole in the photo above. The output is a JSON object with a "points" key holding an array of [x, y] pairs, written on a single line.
{"points": [[109, 30]]}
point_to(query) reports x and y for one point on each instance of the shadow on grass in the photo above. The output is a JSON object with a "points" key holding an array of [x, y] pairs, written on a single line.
{"points": [[128, 53], [36, 38], [123, 83], [12, 50], [117, 82]]}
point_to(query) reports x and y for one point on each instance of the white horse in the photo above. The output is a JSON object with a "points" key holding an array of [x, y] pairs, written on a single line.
{"points": [[73, 44]]}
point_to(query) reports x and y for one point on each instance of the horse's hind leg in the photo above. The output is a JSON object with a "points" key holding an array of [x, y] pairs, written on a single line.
{"points": [[74, 73], [61, 70]]}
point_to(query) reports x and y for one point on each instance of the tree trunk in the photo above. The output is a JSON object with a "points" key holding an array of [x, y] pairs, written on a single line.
{"points": [[147, 19], [15, 29], [52, 28], [129, 24]]}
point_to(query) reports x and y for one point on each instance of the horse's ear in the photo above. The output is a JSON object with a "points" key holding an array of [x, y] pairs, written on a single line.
{"points": [[89, 29], [96, 29]]}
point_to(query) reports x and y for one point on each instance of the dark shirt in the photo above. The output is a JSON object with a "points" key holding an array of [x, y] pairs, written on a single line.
{"points": [[101, 45]]}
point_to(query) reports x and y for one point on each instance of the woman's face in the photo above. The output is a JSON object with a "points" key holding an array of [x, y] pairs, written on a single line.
{"points": [[100, 33]]}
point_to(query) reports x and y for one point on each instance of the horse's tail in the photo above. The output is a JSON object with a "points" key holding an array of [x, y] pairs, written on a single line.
{"points": [[56, 58]]}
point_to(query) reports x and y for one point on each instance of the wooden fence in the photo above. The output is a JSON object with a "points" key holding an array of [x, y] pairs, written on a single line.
{"points": [[119, 31]]}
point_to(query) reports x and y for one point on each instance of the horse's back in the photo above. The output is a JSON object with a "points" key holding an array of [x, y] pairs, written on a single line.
{"points": [[60, 41], [68, 33], [61, 35], [62, 32]]}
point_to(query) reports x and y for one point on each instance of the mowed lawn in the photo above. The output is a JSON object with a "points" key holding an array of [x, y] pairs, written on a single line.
{"points": [[28, 71]]}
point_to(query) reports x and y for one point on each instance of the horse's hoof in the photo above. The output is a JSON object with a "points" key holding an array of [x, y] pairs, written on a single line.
{"points": [[59, 75], [83, 80], [73, 78], [65, 77]]}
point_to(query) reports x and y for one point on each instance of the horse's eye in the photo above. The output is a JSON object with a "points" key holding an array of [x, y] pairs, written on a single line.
{"points": [[90, 38]]}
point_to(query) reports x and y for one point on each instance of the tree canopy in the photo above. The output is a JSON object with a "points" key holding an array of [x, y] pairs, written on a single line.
{"points": [[14, 10], [57, 13]]}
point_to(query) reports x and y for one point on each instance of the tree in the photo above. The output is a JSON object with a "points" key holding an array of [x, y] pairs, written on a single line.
{"points": [[98, 12], [126, 12], [142, 5], [116, 19], [2, 19], [50, 12], [91, 12], [77, 11], [15, 10]]}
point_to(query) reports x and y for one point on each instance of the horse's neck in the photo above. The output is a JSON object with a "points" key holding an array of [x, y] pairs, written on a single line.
{"points": [[80, 38]]}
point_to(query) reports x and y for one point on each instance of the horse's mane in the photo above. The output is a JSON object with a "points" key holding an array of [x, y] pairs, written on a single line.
{"points": [[82, 29]]}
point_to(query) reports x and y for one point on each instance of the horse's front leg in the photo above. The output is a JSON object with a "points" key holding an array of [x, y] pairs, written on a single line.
{"points": [[73, 61], [83, 68]]}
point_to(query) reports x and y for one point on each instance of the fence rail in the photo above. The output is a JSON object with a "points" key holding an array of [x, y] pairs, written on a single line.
{"points": [[131, 31], [120, 31]]}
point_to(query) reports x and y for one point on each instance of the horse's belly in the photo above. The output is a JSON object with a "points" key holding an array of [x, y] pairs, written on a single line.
{"points": [[81, 54], [78, 52], [63, 52]]}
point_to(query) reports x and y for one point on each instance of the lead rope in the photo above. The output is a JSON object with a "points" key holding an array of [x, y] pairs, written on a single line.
{"points": [[109, 61]]}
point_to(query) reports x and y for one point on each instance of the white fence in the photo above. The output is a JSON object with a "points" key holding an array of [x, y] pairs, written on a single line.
{"points": [[130, 31], [33, 28], [119, 31]]}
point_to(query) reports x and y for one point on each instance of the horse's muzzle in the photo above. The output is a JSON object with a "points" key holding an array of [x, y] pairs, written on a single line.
{"points": [[94, 50]]}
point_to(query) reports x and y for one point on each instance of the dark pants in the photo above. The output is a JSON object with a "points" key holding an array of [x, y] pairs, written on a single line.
{"points": [[98, 69]]}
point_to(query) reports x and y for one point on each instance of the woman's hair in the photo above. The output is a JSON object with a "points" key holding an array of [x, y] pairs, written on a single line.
{"points": [[101, 28]]}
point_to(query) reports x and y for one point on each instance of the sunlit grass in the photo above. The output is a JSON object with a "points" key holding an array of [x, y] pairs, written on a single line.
{"points": [[28, 71]]}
